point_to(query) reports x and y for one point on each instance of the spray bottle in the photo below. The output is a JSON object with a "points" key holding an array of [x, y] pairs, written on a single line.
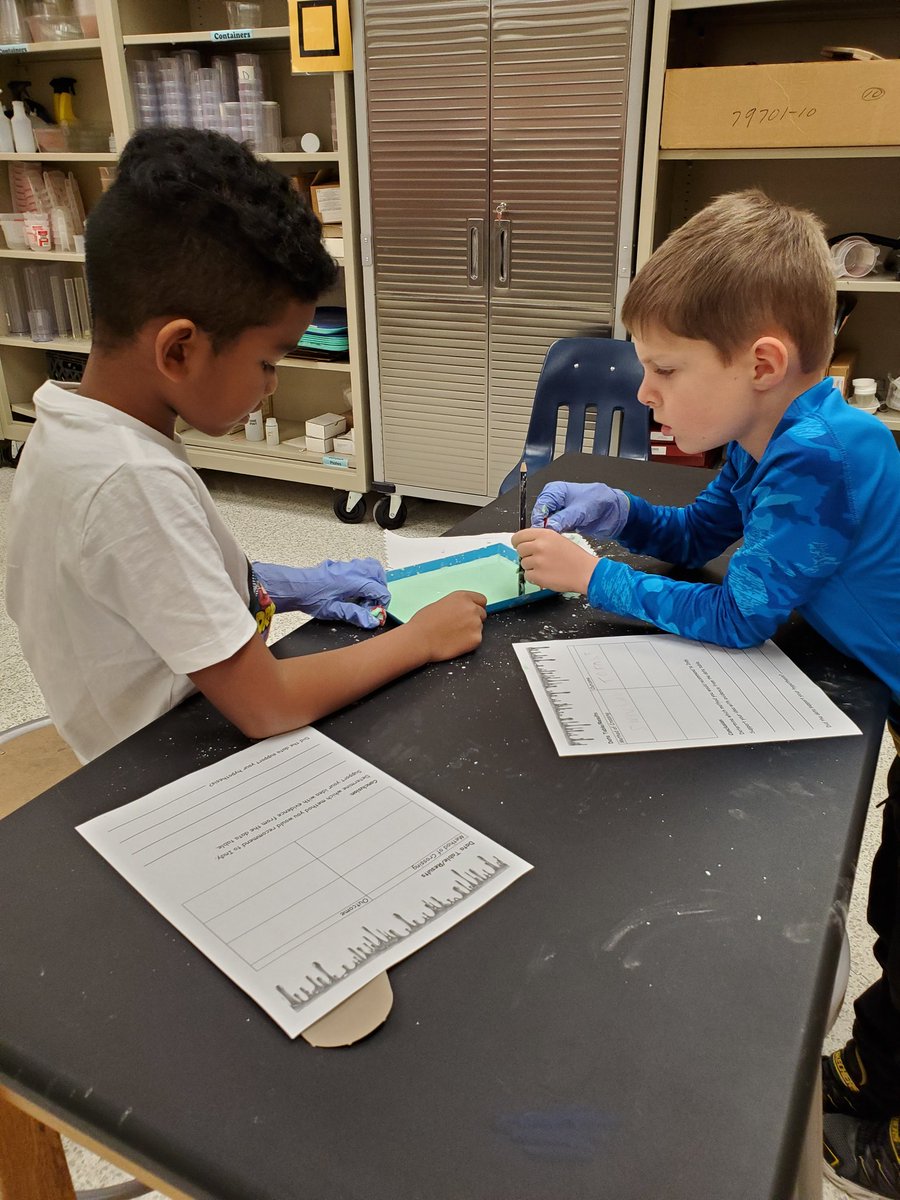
{"points": [[63, 91], [19, 89], [7, 146], [22, 131], [32, 112]]}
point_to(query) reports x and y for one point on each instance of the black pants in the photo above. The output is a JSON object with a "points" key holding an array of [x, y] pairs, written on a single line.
{"points": [[876, 1029]]}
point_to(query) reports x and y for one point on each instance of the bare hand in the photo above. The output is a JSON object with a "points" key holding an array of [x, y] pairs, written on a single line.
{"points": [[452, 625], [553, 561]]}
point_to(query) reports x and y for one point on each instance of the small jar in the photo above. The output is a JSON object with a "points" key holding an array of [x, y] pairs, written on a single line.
{"points": [[253, 428], [864, 396], [272, 437]]}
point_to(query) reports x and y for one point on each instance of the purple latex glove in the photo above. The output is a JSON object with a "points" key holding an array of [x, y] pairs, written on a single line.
{"points": [[591, 508], [332, 591]]}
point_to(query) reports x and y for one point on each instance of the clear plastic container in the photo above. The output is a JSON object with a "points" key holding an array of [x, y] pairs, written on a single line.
{"points": [[87, 17], [89, 137], [230, 119], [242, 15], [225, 66], [40, 325], [853, 257], [13, 226], [13, 301], [38, 231], [206, 98], [145, 90], [12, 27], [53, 22], [40, 316], [864, 394], [52, 138], [250, 96], [270, 141], [173, 97]]}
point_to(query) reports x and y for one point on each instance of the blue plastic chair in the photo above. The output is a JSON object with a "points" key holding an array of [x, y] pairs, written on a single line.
{"points": [[580, 374]]}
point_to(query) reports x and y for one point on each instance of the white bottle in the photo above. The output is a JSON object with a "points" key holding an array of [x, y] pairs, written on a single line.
{"points": [[253, 428], [7, 146], [22, 131], [864, 394], [272, 437]]}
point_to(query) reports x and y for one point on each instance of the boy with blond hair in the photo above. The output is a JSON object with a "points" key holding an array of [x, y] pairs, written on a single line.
{"points": [[732, 318]]}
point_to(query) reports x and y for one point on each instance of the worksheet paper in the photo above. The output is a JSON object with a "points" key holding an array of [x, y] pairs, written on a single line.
{"points": [[301, 870], [661, 692]]}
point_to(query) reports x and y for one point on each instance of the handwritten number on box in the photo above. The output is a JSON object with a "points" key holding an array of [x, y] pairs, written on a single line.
{"points": [[762, 116]]}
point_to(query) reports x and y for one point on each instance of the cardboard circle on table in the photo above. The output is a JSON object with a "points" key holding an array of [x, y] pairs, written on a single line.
{"points": [[357, 1016]]}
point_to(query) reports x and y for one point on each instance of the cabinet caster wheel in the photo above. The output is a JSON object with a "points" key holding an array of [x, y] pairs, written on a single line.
{"points": [[9, 453], [349, 507], [385, 517]]}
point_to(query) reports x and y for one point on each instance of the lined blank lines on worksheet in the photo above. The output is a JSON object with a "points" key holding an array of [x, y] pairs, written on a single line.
{"points": [[661, 692], [161, 835]]}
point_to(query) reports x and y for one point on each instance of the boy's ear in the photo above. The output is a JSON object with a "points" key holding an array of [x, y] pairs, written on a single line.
{"points": [[771, 359], [178, 348]]}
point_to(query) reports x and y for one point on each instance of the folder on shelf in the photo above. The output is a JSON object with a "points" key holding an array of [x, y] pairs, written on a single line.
{"points": [[327, 336]]}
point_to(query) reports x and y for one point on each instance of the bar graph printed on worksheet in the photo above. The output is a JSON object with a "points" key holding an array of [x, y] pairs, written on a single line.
{"points": [[661, 692], [301, 870], [371, 942]]}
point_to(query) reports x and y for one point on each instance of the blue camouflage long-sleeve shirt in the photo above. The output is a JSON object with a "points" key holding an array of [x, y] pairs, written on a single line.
{"points": [[820, 518]]}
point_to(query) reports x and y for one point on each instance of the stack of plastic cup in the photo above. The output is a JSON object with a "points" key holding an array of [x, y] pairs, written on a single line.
{"points": [[13, 304], [271, 127], [224, 64], [87, 16], [12, 27], [242, 15], [173, 100], [206, 99], [40, 314], [146, 93], [250, 95], [230, 119]]}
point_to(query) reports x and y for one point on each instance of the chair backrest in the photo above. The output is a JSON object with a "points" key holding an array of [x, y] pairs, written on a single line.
{"points": [[581, 375]]}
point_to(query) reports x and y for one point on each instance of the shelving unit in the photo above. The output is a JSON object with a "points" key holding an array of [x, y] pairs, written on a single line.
{"points": [[851, 188], [307, 387]]}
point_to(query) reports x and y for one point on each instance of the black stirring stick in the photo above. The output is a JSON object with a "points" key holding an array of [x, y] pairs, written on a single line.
{"points": [[523, 484]]}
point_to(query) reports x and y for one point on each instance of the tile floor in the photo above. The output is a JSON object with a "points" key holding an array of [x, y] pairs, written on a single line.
{"points": [[282, 522]]}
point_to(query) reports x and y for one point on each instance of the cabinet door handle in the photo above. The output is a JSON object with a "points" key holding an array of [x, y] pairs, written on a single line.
{"points": [[501, 252], [475, 251]]}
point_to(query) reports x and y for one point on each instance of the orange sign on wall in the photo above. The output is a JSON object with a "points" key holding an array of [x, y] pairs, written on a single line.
{"points": [[320, 35]]}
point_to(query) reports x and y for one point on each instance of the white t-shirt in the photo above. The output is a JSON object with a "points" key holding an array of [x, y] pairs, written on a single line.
{"points": [[121, 576]]}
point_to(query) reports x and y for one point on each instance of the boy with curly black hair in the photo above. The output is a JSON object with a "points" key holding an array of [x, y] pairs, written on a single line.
{"points": [[128, 589]]}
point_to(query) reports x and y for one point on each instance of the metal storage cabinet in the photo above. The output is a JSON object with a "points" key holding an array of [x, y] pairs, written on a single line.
{"points": [[498, 200]]}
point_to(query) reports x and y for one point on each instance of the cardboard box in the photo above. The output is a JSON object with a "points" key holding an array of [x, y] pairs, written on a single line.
{"points": [[842, 370], [326, 202], [782, 104], [344, 445], [327, 425]]}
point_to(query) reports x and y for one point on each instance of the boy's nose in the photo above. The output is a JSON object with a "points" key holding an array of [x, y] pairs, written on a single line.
{"points": [[645, 392]]}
